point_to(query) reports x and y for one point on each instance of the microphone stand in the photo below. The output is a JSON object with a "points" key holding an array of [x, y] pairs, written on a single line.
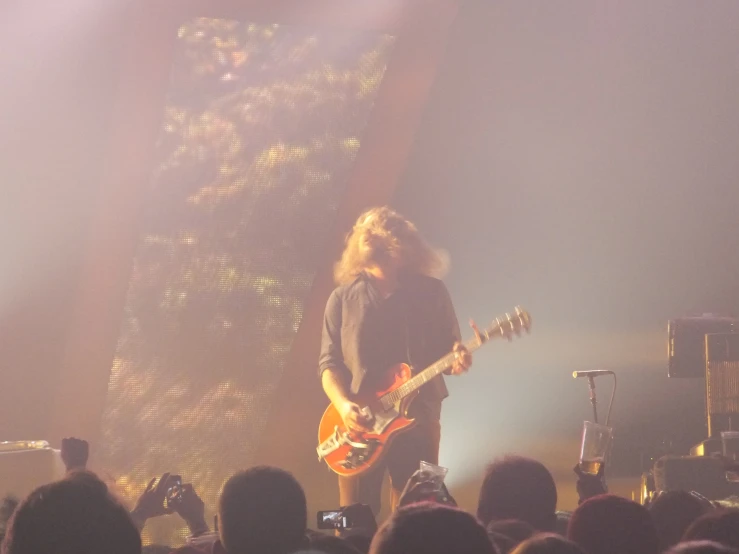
{"points": [[593, 400]]}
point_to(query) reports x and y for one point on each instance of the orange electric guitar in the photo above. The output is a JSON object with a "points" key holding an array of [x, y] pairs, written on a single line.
{"points": [[348, 453]]}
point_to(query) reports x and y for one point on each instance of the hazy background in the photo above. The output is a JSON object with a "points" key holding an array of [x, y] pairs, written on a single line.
{"points": [[578, 158]]}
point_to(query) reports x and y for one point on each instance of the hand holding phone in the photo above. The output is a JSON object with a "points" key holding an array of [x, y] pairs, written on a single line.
{"points": [[153, 501], [355, 517]]}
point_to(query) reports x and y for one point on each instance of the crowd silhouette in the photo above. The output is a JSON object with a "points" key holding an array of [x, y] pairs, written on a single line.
{"points": [[263, 510]]}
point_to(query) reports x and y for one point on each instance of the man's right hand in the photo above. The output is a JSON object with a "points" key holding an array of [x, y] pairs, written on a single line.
{"points": [[353, 418]]}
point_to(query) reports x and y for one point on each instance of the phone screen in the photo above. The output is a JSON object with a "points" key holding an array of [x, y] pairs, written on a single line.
{"points": [[332, 519], [174, 490]]}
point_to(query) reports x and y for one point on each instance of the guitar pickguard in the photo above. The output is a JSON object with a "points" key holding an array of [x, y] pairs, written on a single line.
{"points": [[381, 419]]}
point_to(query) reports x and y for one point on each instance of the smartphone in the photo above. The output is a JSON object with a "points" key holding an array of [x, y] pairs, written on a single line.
{"points": [[174, 490], [333, 519]]}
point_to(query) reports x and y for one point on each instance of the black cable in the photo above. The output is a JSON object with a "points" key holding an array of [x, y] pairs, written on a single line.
{"points": [[610, 404]]}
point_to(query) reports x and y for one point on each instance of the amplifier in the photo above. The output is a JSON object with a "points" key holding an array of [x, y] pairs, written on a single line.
{"points": [[722, 382], [703, 474], [708, 447], [22, 471], [687, 343]]}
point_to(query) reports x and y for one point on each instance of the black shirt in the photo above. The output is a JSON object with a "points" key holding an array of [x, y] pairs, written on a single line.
{"points": [[364, 334]]}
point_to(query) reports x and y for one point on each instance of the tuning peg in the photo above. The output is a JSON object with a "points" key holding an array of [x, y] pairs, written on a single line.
{"points": [[524, 318], [513, 329]]}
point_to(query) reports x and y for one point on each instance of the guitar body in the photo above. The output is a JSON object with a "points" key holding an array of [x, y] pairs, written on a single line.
{"points": [[363, 451]]}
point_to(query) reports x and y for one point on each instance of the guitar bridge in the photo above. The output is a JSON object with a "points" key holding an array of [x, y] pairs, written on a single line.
{"points": [[331, 444], [359, 454], [360, 450]]}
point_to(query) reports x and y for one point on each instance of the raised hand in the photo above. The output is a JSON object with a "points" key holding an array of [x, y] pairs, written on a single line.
{"points": [[590, 485], [191, 508], [152, 501], [423, 487], [361, 517], [75, 453]]}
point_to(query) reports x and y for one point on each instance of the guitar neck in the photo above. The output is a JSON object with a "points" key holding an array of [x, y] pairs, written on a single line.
{"points": [[505, 327], [435, 369]]}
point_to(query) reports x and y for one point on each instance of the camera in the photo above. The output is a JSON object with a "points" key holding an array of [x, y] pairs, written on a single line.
{"points": [[333, 519]]}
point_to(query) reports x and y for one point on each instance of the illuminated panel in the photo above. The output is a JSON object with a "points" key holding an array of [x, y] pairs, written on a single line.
{"points": [[260, 131]]}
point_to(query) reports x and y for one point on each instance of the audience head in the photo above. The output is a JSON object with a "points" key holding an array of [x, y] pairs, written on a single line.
{"points": [[672, 513], [518, 488], [609, 524], [701, 547], [547, 543], [721, 526], [8, 506], [502, 543], [76, 515], [263, 510], [360, 542], [431, 529], [156, 549], [329, 544], [517, 531]]}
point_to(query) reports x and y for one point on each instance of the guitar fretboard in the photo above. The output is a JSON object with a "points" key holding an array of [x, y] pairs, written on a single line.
{"points": [[437, 368]]}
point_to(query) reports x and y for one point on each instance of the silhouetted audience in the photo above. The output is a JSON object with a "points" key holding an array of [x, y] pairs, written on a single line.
{"points": [[75, 453], [519, 488], [701, 547], [429, 528], [153, 502], [329, 544], [76, 515], [721, 526], [363, 523], [425, 487], [673, 512], [589, 485], [360, 542], [156, 549], [502, 543], [262, 509], [516, 530], [610, 524], [547, 543], [507, 534], [10, 503]]}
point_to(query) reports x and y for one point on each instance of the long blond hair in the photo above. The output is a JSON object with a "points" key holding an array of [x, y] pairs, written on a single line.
{"points": [[385, 232]]}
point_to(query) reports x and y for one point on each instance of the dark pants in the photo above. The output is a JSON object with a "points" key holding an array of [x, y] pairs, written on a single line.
{"points": [[401, 460]]}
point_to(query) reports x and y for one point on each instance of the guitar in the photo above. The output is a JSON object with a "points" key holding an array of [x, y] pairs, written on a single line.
{"points": [[387, 409]]}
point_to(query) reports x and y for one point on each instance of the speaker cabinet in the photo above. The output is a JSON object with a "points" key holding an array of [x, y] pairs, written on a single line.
{"points": [[702, 474]]}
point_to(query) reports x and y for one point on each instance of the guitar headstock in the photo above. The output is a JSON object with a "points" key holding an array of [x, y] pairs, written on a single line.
{"points": [[509, 325]]}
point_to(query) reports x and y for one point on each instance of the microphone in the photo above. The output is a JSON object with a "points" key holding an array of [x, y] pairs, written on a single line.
{"points": [[592, 373]]}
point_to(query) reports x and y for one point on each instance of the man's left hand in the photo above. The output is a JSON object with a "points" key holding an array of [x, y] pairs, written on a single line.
{"points": [[462, 359]]}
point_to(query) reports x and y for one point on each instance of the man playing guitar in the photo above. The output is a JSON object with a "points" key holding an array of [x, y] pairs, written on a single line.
{"points": [[388, 308]]}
